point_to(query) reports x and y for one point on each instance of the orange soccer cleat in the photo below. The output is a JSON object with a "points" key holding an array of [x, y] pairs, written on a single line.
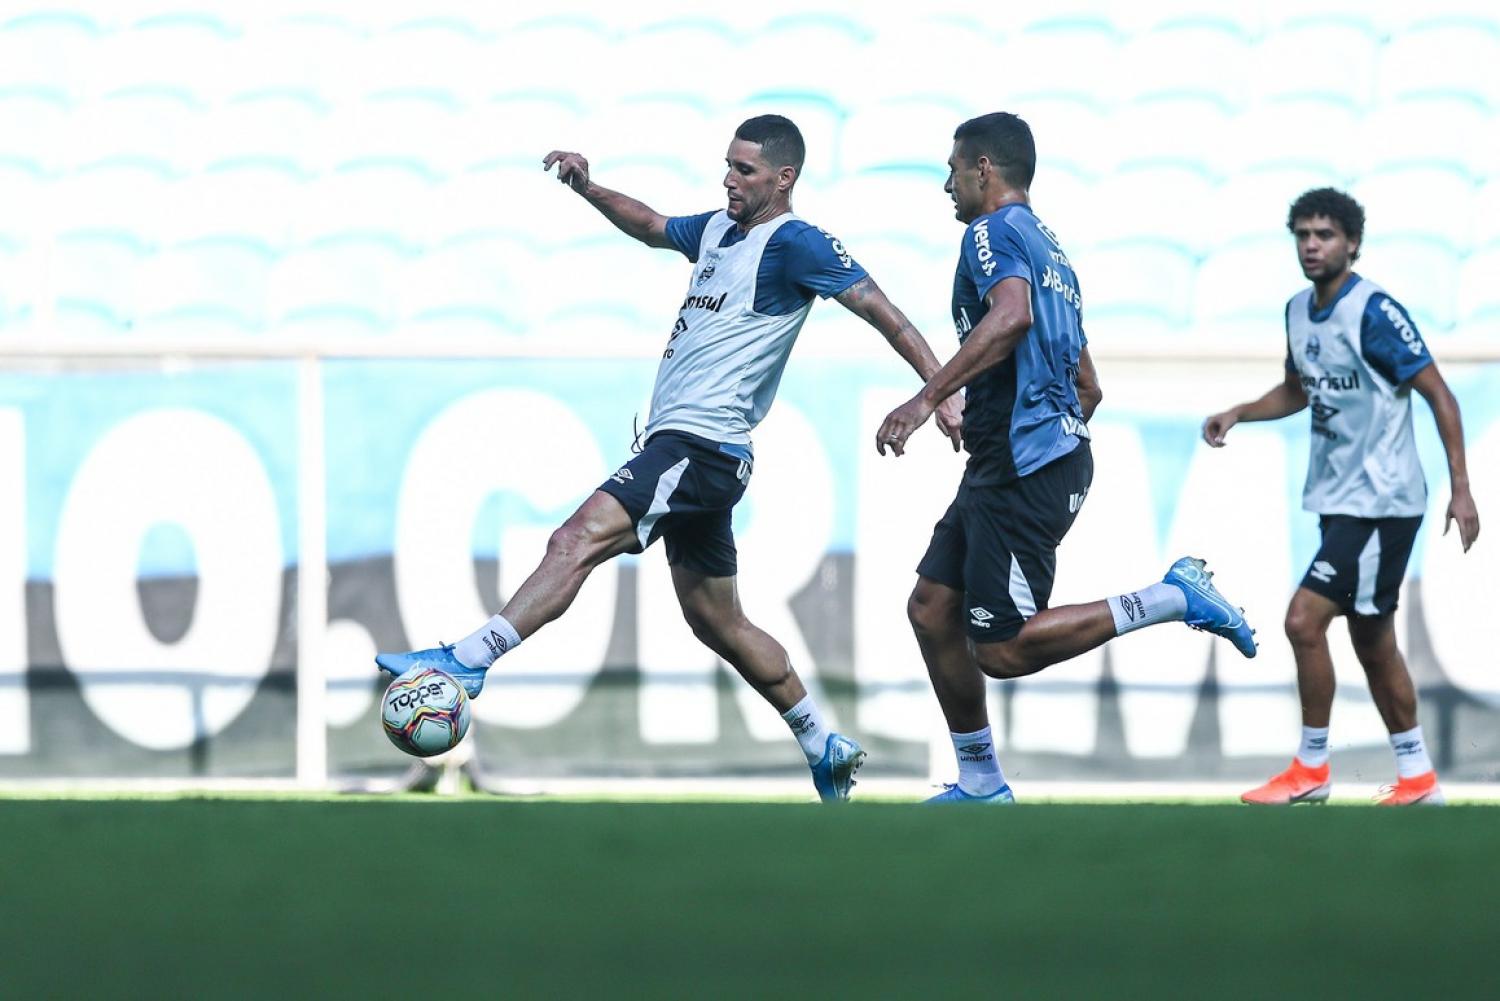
{"points": [[1419, 789], [1298, 784]]}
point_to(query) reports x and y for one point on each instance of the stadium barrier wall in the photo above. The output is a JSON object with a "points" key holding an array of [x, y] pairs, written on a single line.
{"points": [[202, 546]]}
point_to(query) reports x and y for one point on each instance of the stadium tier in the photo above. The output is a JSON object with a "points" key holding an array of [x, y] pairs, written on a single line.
{"points": [[135, 138]]}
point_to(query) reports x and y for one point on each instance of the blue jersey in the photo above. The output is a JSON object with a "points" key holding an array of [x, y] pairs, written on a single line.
{"points": [[1024, 412]]}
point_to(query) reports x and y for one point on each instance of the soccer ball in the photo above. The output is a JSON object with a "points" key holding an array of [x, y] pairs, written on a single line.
{"points": [[425, 712]]}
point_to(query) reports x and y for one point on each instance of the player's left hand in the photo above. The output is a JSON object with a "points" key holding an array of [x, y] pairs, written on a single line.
{"points": [[950, 419], [1462, 510], [900, 423]]}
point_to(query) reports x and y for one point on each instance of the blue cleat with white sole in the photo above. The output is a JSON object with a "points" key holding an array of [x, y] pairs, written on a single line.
{"points": [[439, 657], [953, 794], [1207, 609], [833, 775]]}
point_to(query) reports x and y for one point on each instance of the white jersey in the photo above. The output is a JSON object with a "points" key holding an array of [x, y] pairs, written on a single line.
{"points": [[1355, 359], [724, 360]]}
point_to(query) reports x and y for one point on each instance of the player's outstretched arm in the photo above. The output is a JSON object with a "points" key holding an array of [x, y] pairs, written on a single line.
{"points": [[865, 300], [1286, 398], [631, 217], [988, 344], [1430, 383]]}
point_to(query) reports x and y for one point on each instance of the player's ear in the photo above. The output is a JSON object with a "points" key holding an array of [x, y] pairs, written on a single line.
{"points": [[786, 177]]}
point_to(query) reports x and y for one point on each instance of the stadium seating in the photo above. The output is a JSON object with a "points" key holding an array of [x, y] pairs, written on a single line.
{"points": [[348, 143]]}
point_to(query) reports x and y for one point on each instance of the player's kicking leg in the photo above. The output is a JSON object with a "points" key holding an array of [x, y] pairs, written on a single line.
{"points": [[599, 530], [711, 605]]}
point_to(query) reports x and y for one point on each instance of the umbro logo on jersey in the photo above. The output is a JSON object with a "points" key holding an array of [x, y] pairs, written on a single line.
{"points": [[1322, 412], [622, 475], [981, 617], [1324, 571]]}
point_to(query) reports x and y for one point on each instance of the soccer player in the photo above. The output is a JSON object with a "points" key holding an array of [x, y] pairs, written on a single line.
{"points": [[1353, 356], [980, 604], [757, 269]]}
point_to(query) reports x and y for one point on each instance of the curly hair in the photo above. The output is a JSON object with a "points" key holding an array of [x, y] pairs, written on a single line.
{"points": [[1336, 205]]}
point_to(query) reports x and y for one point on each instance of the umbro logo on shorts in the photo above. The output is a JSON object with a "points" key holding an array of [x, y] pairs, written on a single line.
{"points": [[622, 475], [981, 617], [1324, 571]]}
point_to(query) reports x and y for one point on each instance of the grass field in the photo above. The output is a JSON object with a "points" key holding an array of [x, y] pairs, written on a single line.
{"points": [[416, 898]]}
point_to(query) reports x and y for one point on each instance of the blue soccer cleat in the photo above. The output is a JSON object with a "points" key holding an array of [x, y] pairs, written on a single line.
{"points": [[1208, 609], [439, 657], [953, 794], [833, 775]]}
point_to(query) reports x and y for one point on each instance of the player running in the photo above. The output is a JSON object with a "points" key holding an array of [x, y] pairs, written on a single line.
{"points": [[757, 269], [1353, 357], [980, 604]]}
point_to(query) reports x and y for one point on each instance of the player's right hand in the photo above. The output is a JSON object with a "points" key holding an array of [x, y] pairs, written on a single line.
{"points": [[572, 169], [1217, 426]]}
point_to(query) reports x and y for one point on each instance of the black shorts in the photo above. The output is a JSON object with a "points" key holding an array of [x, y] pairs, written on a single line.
{"points": [[1362, 562], [998, 544], [683, 488]]}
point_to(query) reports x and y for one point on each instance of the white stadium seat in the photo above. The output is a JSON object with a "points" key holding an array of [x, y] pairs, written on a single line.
{"points": [[1479, 290], [1421, 273], [1255, 202], [50, 50], [174, 50], [1333, 58], [1187, 58], [1246, 284], [255, 199], [681, 132], [1433, 201], [469, 287], [92, 280], [1486, 220], [387, 197], [1441, 58], [1168, 202], [33, 121], [204, 288], [152, 125], [1135, 279], [1308, 130], [1061, 55], [674, 58], [902, 133], [340, 286], [1441, 129], [280, 126], [301, 55]]}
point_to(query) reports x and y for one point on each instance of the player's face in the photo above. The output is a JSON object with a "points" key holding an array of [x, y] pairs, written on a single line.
{"points": [[750, 181], [963, 187], [1323, 248]]}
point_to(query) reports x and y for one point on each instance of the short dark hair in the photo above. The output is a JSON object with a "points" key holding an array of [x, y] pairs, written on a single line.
{"points": [[779, 139], [1006, 140], [1336, 205]]}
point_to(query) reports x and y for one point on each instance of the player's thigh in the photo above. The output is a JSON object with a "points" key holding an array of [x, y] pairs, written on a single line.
{"points": [[709, 602], [1308, 615], [1361, 562], [1373, 638]]}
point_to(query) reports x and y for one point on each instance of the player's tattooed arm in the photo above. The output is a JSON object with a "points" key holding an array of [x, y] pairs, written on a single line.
{"points": [[1445, 413], [865, 300], [631, 217]]}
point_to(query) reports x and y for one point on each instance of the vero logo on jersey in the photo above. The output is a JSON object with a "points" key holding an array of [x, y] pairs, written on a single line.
{"points": [[982, 248], [1403, 326], [838, 249]]}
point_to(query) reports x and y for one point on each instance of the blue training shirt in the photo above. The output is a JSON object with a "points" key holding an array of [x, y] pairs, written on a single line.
{"points": [[800, 261], [1024, 412]]}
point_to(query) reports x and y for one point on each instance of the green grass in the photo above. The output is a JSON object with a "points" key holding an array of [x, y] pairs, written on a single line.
{"points": [[264, 897]]}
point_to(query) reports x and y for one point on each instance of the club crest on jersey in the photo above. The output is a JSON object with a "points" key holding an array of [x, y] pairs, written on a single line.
{"points": [[706, 274], [1314, 348]]}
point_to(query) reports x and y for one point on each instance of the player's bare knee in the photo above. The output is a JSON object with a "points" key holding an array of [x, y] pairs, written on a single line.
{"points": [[929, 616], [1302, 628]]}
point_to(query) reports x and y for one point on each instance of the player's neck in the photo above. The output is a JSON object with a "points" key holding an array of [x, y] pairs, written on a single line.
{"points": [[1328, 289], [779, 207], [1005, 196]]}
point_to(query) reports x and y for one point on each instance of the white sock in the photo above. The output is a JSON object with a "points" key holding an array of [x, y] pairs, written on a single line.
{"points": [[806, 721], [1313, 752], [484, 646], [979, 771], [1411, 753], [1161, 602]]}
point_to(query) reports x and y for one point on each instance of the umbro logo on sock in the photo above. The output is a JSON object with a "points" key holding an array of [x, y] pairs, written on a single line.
{"points": [[1407, 747], [978, 751], [802, 724], [1135, 608], [496, 643]]}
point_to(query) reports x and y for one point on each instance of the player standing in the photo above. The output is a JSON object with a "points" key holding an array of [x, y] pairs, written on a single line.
{"points": [[1353, 357], [757, 269], [980, 604]]}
